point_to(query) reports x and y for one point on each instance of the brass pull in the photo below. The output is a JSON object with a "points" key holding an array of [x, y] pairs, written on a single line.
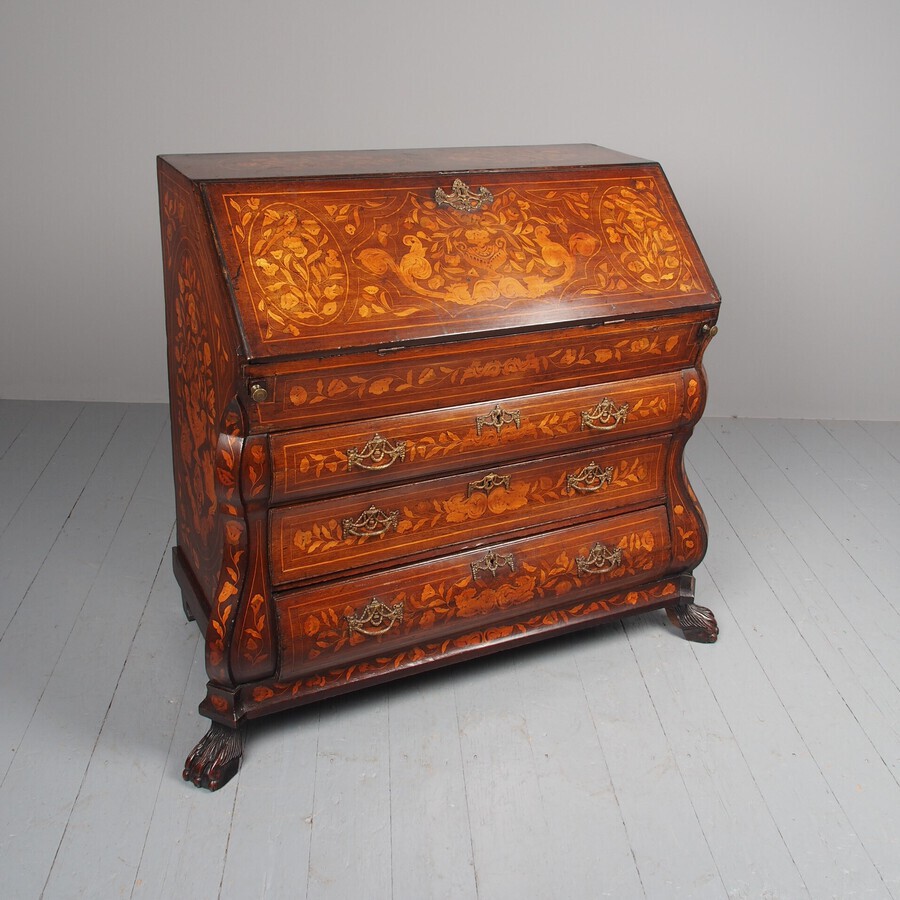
{"points": [[590, 479], [258, 392], [378, 453], [709, 331], [462, 198], [492, 561], [488, 483], [604, 416], [601, 559], [376, 618], [497, 418], [372, 522]]}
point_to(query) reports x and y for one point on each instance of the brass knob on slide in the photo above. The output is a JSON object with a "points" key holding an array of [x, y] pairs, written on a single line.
{"points": [[258, 393]]}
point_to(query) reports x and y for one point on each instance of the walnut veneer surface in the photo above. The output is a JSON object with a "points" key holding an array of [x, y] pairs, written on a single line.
{"points": [[425, 405]]}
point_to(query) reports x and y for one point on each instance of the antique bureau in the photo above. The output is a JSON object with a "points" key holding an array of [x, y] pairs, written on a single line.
{"points": [[425, 405]]}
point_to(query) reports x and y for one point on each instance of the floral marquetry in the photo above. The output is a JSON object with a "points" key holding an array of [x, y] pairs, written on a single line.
{"points": [[371, 258], [479, 584], [296, 262], [309, 687], [643, 239], [315, 537]]}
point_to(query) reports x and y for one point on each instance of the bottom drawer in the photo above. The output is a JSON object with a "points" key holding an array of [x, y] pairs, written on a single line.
{"points": [[402, 607]]}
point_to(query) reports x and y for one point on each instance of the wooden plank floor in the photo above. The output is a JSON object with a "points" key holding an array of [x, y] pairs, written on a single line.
{"points": [[622, 762]]}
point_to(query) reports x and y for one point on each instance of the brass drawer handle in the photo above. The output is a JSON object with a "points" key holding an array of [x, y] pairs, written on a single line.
{"points": [[378, 453], [488, 483], [372, 522], [590, 479], [492, 561], [497, 418], [600, 560], [376, 618], [464, 199], [604, 416]]}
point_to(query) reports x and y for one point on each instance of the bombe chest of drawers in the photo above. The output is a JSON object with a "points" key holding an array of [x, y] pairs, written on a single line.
{"points": [[425, 405]]}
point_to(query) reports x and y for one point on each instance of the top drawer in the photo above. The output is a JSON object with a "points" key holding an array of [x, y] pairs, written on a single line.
{"points": [[342, 389]]}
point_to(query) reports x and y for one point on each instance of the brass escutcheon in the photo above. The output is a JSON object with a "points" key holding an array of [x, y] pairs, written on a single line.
{"points": [[488, 483], [600, 560], [378, 453], [590, 479], [372, 522], [604, 416], [462, 198], [493, 561], [376, 618], [497, 418]]}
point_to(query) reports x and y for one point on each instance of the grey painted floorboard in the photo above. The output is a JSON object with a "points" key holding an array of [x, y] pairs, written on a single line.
{"points": [[875, 458], [824, 625], [68, 572], [621, 762], [34, 526], [573, 773], [508, 821], [31, 450], [724, 793], [14, 416], [350, 844], [62, 735], [837, 587], [887, 434], [864, 792], [851, 478], [129, 759], [187, 835], [269, 841], [431, 851], [671, 851], [872, 551]]}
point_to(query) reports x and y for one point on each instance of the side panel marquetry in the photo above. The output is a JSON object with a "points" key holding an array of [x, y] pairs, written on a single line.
{"points": [[313, 540], [385, 258], [202, 342], [253, 647], [445, 597], [233, 573], [316, 461]]}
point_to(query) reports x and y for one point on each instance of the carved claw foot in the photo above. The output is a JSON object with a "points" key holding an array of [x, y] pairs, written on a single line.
{"points": [[216, 758], [697, 622]]}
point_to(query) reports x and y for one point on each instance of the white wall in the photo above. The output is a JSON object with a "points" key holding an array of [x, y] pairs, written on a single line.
{"points": [[777, 123]]}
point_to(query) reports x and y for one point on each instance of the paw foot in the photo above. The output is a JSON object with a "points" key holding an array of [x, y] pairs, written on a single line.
{"points": [[216, 758], [697, 622]]}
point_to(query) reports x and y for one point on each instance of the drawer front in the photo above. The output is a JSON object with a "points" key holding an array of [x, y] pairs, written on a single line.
{"points": [[376, 613], [409, 521], [357, 456], [339, 389]]}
